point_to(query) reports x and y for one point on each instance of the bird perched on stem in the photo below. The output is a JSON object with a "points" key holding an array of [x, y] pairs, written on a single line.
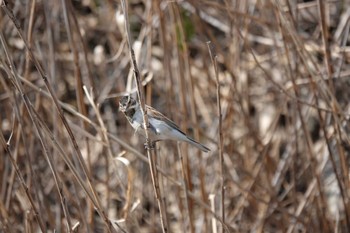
{"points": [[160, 127]]}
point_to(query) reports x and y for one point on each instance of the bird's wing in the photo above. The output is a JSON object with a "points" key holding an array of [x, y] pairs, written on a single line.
{"points": [[159, 116]]}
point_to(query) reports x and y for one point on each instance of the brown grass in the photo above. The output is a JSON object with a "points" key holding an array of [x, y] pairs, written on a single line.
{"points": [[268, 95]]}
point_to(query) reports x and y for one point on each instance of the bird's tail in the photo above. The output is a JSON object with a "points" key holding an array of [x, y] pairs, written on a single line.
{"points": [[198, 145]]}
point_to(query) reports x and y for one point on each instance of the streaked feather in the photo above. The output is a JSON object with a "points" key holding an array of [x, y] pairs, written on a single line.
{"points": [[161, 127]]}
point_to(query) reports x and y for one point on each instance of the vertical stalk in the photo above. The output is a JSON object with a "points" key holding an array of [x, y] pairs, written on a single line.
{"points": [[219, 115], [149, 145]]}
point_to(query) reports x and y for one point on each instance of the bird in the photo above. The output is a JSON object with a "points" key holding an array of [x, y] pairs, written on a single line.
{"points": [[160, 127]]}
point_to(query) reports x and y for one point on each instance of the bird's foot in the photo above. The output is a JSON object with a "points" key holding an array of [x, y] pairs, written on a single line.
{"points": [[150, 145]]}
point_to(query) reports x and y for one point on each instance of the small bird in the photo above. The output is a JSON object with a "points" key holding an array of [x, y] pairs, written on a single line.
{"points": [[160, 127]]}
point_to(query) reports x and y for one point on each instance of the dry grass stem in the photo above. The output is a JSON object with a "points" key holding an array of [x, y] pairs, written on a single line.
{"points": [[269, 96]]}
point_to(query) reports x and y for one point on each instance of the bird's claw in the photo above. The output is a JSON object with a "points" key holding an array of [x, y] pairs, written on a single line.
{"points": [[150, 145]]}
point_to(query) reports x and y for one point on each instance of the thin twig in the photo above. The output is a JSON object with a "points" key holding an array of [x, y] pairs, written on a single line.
{"points": [[219, 115], [60, 112], [150, 152], [29, 108], [6, 145], [23, 184]]}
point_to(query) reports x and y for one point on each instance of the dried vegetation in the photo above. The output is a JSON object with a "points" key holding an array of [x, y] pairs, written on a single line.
{"points": [[70, 162]]}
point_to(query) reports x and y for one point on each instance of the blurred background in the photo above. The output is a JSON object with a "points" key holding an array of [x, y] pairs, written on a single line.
{"points": [[70, 162]]}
